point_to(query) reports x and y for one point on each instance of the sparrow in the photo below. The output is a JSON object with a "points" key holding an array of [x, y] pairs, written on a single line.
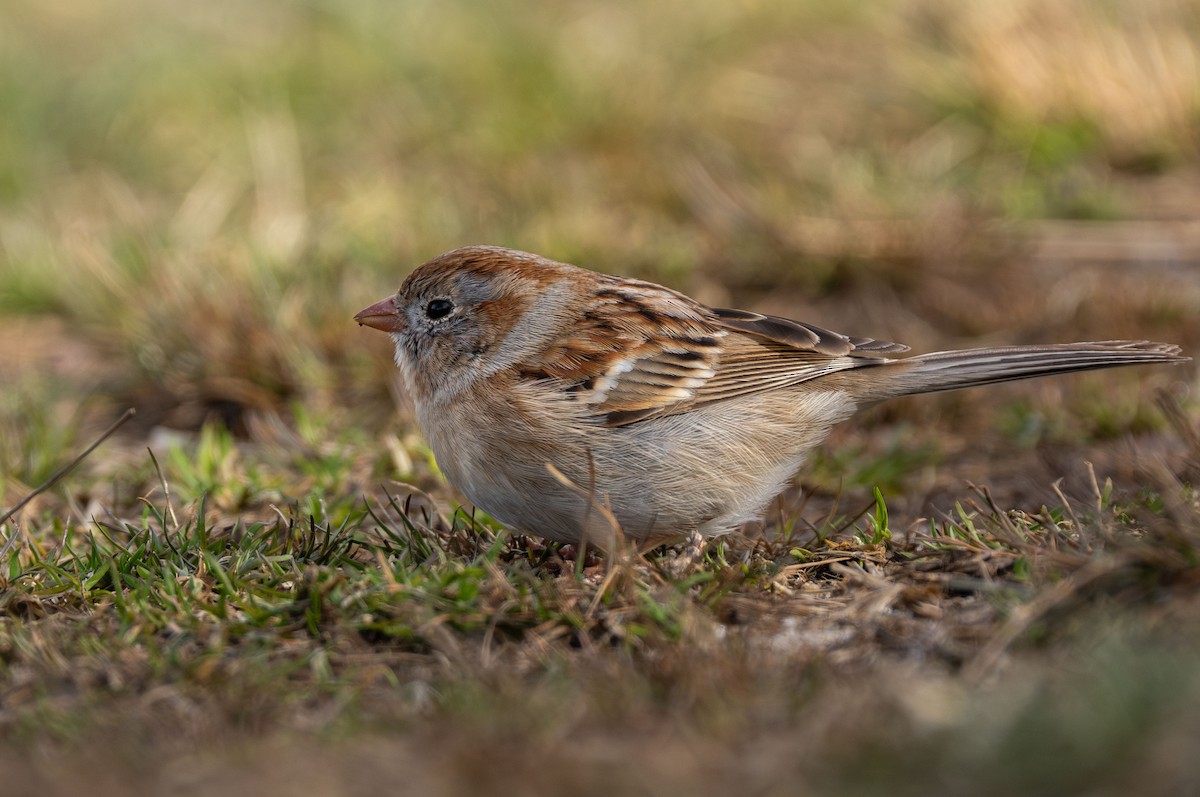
{"points": [[579, 406]]}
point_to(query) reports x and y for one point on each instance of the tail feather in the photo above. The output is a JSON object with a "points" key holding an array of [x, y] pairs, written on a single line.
{"points": [[951, 370]]}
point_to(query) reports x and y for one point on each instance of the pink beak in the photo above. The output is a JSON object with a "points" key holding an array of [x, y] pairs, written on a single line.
{"points": [[383, 316]]}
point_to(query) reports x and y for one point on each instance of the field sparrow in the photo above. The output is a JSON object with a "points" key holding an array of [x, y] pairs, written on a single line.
{"points": [[573, 405]]}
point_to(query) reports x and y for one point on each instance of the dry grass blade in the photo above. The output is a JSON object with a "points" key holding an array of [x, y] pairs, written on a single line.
{"points": [[64, 470]]}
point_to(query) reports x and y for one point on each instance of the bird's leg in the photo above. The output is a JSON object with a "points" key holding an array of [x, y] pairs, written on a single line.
{"points": [[689, 557]]}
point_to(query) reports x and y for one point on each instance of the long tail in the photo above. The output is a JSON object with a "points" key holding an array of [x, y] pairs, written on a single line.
{"points": [[951, 370]]}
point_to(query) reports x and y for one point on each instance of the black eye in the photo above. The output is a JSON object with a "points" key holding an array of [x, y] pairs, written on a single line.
{"points": [[439, 308]]}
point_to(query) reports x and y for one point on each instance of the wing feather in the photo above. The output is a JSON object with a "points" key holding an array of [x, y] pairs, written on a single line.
{"points": [[646, 351]]}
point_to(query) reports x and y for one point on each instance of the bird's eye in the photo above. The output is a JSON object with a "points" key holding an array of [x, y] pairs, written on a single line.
{"points": [[439, 308]]}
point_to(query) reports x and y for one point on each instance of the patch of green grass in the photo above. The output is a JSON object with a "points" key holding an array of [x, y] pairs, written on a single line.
{"points": [[336, 561]]}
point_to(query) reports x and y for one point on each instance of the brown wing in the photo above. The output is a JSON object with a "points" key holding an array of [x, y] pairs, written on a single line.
{"points": [[803, 337], [638, 350], [642, 351]]}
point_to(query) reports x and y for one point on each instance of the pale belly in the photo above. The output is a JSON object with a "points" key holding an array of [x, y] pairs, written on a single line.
{"points": [[710, 469]]}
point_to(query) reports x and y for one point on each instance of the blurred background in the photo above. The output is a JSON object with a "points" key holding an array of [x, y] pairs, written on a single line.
{"points": [[195, 198]]}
